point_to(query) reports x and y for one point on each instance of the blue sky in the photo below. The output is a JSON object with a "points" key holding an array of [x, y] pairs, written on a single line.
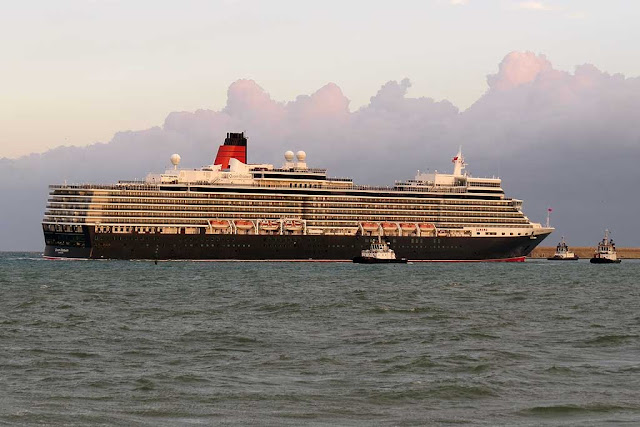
{"points": [[76, 72]]}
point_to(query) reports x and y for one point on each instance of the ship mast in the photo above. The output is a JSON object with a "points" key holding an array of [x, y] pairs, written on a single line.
{"points": [[549, 210], [458, 163]]}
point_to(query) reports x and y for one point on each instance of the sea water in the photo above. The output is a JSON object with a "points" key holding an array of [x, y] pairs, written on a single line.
{"points": [[262, 343]]}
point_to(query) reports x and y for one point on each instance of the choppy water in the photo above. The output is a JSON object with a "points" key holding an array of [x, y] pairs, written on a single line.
{"points": [[184, 343]]}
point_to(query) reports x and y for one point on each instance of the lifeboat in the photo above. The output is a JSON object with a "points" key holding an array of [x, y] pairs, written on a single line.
{"points": [[293, 225], [369, 226], [389, 226], [244, 225], [426, 226], [219, 224], [405, 226], [269, 225]]}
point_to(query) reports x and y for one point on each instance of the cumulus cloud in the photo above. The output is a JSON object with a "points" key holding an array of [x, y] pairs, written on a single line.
{"points": [[518, 68], [534, 5], [569, 140]]}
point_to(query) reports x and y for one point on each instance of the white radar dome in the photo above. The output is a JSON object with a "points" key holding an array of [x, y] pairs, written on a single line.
{"points": [[175, 159], [301, 155], [288, 156]]}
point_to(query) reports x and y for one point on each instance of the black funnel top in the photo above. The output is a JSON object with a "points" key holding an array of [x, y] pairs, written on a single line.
{"points": [[235, 139]]}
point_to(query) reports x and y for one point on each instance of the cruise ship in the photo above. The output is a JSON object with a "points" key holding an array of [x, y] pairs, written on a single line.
{"points": [[233, 210]]}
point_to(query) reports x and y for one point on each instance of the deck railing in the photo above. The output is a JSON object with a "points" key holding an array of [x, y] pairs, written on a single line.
{"points": [[143, 186]]}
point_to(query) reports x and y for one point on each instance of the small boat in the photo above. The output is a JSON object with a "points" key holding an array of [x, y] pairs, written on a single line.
{"points": [[426, 226], [269, 225], [389, 226], [427, 229], [563, 253], [369, 226], [606, 252], [219, 224], [379, 253], [244, 225], [293, 225], [407, 227]]}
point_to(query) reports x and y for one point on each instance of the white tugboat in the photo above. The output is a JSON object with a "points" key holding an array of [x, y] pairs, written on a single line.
{"points": [[563, 253], [379, 253], [606, 252]]}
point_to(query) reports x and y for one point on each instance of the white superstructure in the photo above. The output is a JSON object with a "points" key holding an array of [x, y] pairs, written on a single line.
{"points": [[262, 199]]}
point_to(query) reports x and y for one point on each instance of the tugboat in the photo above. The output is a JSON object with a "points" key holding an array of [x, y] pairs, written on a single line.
{"points": [[606, 252], [563, 253], [379, 253]]}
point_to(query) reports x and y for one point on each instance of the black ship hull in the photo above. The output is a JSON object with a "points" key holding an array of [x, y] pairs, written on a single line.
{"points": [[129, 246]]}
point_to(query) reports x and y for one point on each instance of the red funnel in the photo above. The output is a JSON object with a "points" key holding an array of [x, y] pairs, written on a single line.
{"points": [[234, 147]]}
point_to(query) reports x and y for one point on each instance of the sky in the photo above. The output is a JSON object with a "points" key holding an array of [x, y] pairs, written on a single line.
{"points": [[77, 72], [545, 95]]}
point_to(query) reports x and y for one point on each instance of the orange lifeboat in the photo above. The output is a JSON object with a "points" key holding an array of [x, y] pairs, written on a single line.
{"points": [[369, 226], [405, 226], [269, 225], [389, 226], [244, 225], [293, 225], [218, 224], [426, 226]]}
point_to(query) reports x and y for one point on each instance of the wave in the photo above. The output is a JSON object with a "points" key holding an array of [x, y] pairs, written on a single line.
{"points": [[482, 335], [144, 384], [414, 365], [449, 391], [285, 307], [571, 409], [410, 310], [82, 354], [611, 340], [560, 370]]}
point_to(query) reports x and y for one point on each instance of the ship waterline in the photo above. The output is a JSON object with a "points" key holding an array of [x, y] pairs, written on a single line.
{"points": [[256, 212]]}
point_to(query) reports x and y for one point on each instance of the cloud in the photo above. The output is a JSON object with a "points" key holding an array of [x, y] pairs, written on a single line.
{"points": [[569, 140], [518, 68], [458, 2], [576, 15], [534, 5]]}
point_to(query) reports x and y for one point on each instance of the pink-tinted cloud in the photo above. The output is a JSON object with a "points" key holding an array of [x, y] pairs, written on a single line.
{"points": [[534, 5], [518, 68]]}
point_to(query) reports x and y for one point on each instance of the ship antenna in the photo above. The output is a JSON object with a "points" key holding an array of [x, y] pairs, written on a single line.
{"points": [[549, 210]]}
